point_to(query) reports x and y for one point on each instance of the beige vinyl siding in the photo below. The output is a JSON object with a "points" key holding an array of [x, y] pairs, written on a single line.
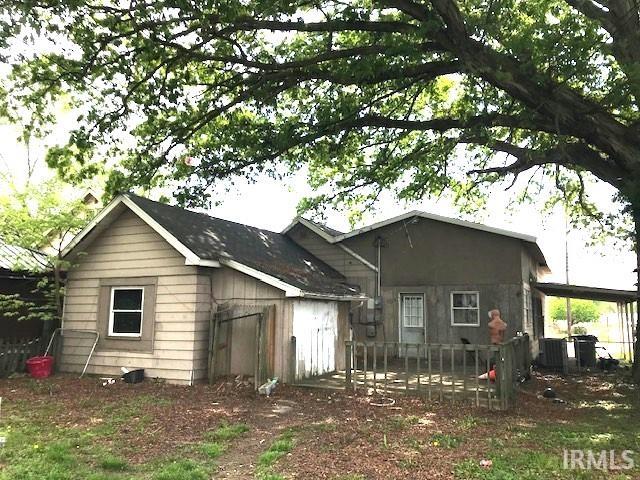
{"points": [[130, 248]]}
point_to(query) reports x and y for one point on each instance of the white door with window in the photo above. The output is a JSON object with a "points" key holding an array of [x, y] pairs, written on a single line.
{"points": [[412, 321]]}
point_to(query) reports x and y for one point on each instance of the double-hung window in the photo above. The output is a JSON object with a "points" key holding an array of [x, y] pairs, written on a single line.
{"points": [[126, 311], [465, 309]]}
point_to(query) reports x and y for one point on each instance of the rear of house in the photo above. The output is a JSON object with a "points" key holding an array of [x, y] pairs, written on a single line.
{"points": [[182, 294], [432, 279]]}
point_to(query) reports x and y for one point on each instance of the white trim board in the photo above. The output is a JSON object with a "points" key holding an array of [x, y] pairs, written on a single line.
{"points": [[414, 213], [311, 226], [425, 318], [438, 218], [452, 308], [404, 216], [110, 332], [289, 290]]}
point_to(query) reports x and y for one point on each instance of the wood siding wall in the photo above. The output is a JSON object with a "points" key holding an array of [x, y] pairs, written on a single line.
{"points": [[355, 271], [331, 254], [437, 311], [437, 253], [130, 248], [185, 298], [233, 289], [244, 294]]}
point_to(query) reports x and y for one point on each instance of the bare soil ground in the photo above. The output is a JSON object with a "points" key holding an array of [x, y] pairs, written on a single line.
{"points": [[336, 435]]}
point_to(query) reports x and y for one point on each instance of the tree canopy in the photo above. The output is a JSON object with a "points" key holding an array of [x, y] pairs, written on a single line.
{"points": [[41, 218], [416, 96], [582, 311], [400, 94]]}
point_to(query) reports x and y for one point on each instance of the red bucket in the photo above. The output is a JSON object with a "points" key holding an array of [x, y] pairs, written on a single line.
{"points": [[40, 367]]}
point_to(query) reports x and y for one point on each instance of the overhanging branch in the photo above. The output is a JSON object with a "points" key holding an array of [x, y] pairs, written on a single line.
{"points": [[577, 154]]}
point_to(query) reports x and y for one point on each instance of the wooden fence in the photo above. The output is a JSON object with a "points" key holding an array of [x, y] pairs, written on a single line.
{"points": [[14, 353], [439, 371]]}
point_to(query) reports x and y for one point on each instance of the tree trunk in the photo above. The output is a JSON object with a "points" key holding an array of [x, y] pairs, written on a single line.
{"points": [[49, 326], [636, 346]]}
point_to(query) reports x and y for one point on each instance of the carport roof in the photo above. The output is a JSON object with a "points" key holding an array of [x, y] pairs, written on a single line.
{"points": [[587, 293]]}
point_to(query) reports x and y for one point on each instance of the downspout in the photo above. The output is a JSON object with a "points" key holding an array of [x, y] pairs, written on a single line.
{"points": [[379, 287]]}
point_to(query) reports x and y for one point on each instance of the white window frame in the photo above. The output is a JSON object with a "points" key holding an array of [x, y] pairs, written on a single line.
{"points": [[111, 333], [528, 309], [453, 309], [402, 316]]}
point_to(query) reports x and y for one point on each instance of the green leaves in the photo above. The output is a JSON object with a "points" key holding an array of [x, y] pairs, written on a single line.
{"points": [[582, 311], [39, 218], [399, 96]]}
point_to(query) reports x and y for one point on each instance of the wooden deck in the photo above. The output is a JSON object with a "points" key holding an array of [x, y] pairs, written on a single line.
{"points": [[451, 386], [443, 372]]}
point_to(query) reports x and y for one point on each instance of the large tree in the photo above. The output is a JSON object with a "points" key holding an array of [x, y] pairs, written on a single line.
{"points": [[412, 95]]}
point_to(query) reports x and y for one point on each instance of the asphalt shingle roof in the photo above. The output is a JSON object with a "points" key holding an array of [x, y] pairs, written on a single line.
{"points": [[269, 252]]}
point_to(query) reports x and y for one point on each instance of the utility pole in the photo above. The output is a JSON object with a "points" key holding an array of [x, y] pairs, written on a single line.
{"points": [[566, 264]]}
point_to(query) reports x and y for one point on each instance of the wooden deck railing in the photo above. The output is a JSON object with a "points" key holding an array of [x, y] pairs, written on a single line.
{"points": [[439, 371]]}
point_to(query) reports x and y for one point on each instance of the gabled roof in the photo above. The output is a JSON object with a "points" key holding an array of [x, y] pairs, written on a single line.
{"points": [[328, 230], [337, 237], [204, 240], [16, 258]]}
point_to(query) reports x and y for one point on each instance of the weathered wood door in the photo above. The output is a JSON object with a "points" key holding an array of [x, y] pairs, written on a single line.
{"points": [[315, 326]]}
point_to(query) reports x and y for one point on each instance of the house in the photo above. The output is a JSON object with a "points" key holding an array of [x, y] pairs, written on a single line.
{"points": [[149, 277]]}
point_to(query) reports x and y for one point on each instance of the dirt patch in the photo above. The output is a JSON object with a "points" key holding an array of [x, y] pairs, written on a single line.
{"points": [[333, 431]]}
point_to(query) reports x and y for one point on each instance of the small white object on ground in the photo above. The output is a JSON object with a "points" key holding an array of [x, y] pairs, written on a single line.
{"points": [[486, 463], [268, 387]]}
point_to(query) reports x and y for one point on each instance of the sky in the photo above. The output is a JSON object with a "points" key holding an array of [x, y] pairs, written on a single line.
{"points": [[271, 204]]}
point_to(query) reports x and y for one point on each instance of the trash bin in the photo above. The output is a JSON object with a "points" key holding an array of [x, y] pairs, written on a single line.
{"points": [[134, 376], [40, 367], [586, 349]]}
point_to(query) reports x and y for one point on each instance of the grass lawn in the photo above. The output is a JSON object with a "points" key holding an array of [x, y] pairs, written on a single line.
{"points": [[63, 428]]}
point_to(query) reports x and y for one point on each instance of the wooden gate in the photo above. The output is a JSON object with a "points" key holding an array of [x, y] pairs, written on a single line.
{"points": [[221, 347]]}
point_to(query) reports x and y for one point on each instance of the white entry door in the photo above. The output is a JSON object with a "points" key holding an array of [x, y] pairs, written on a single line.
{"points": [[412, 321], [315, 326]]}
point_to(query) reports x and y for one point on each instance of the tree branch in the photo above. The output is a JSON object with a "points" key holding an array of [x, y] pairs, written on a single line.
{"points": [[594, 12], [576, 154], [250, 24], [444, 124]]}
